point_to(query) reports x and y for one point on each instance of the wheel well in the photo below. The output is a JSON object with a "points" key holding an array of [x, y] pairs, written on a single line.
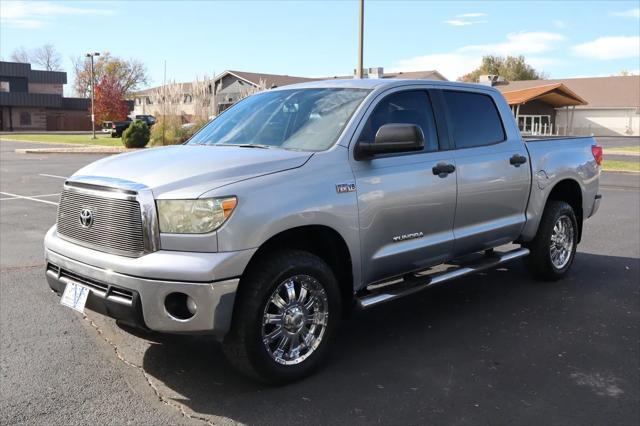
{"points": [[569, 191], [322, 241]]}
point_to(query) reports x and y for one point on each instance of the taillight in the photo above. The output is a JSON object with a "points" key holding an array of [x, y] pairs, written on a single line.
{"points": [[597, 153], [113, 126]]}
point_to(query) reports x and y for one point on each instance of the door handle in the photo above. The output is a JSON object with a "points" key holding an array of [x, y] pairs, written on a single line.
{"points": [[517, 160], [443, 169]]}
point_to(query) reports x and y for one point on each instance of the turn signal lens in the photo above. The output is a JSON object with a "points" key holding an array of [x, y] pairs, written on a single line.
{"points": [[597, 153], [228, 204]]}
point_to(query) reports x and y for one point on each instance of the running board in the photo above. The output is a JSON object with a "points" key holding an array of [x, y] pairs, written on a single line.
{"points": [[419, 281]]}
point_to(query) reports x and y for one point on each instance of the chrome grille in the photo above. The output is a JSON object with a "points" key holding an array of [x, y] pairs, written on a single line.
{"points": [[117, 223]]}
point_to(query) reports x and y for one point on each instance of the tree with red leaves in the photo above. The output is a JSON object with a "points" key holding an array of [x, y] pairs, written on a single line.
{"points": [[109, 101]]}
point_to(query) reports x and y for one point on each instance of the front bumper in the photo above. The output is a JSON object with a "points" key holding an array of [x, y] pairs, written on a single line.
{"points": [[134, 289]]}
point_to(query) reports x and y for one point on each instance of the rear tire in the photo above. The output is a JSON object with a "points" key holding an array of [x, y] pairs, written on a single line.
{"points": [[286, 315], [554, 247]]}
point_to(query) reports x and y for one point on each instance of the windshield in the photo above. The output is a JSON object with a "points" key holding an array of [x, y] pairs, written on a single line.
{"points": [[298, 119]]}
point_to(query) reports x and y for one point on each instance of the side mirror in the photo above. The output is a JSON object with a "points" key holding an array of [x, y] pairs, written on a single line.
{"points": [[392, 138]]}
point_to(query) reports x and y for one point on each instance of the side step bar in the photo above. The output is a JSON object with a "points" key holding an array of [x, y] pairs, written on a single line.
{"points": [[417, 282]]}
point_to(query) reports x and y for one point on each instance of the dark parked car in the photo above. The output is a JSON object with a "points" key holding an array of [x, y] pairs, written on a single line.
{"points": [[149, 119], [118, 127]]}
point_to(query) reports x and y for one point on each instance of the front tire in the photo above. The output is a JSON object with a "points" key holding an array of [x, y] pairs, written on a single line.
{"points": [[285, 318], [554, 247]]}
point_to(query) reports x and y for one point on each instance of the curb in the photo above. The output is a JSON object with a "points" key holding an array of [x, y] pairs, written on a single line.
{"points": [[76, 144], [624, 153], [77, 150], [628, 172]]}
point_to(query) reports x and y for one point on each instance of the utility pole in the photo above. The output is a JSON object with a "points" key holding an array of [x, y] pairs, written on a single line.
{"points": [[93, 116], [360, 42], [164, 99]]}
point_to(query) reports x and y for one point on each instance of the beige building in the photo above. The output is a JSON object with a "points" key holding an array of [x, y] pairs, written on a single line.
{"points": [[602, 106]]}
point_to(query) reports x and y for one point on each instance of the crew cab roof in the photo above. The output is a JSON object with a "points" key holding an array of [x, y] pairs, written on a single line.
{"points": [[382, 83]]}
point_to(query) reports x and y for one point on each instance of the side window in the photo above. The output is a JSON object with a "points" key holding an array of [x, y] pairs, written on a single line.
{"points": [[474, 119], [411, 107]]}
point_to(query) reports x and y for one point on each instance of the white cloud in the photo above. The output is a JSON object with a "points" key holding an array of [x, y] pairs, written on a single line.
{"points": [[559, 24], [471, 15], [465, 19], [631, 13], [451, 65], [23, 14], [465, 59], [22, 23], [606, 48], [519, 44], [457, 22]]}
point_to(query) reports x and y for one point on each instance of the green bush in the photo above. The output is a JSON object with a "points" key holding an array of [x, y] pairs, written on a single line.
{"points": [[136, 135], [175, 132]]}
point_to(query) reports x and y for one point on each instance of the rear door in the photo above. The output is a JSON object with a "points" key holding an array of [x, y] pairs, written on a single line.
{"points": [[405, 211], [492, 170]]}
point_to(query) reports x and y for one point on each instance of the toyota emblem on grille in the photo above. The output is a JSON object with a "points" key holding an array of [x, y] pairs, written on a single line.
{"points": [[86, 218]]}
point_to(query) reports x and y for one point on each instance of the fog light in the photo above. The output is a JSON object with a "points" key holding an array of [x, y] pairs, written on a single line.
{"points": [[180, 306], [191, 305]]}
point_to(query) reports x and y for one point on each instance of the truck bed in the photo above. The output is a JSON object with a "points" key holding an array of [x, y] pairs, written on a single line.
{"points": [[552, 138]]}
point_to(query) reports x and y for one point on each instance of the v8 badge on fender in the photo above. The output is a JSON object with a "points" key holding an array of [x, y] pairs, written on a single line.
{"points": [[345, 187]]}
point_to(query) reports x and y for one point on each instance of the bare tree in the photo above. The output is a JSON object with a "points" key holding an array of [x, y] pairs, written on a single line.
{"points": [[248, 90], [203, 96], [21, 54], [168, 99], [130, 74], [47, 57]]}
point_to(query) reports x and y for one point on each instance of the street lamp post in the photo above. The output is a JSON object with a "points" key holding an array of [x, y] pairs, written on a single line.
{"points": [[93, 116], [360, 69]]}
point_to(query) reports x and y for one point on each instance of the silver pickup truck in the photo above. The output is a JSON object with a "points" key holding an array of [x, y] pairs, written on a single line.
{"points": [[301, 204]]}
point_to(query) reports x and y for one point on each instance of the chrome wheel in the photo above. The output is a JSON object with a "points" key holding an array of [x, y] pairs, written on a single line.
{"points": [[295, 319], [561, 247]]}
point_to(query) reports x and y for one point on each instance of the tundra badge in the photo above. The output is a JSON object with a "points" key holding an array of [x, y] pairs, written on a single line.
{"points": [[411, 236]]}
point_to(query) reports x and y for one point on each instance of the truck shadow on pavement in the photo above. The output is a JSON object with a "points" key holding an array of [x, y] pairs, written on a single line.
{"points": [[496, 345]]}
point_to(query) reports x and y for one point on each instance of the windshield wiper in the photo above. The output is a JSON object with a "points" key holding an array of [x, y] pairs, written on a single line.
{"points": [[250, 145], [245, 145]]}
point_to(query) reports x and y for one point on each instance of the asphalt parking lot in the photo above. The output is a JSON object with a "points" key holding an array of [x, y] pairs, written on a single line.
{"points": [[493, 348]]}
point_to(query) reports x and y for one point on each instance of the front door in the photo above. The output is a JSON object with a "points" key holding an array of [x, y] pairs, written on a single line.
{"points": [[406, 211], [493, 173]]}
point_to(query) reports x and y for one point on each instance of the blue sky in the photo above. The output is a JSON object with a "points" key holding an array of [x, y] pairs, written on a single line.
{"points": [[314, 38]]}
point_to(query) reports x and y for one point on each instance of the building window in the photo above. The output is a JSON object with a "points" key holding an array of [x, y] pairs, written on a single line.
{"points": [[25, 118], [148, 100], [138, 101], [5, 86], [188, 99]]}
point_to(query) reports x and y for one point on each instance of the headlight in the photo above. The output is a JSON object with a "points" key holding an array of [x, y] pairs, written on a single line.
{"points": [[194, 216]]}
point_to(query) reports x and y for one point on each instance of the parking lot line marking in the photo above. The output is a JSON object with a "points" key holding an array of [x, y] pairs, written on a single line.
{"points": [[46, 195], [28, 198], [57, 194], [53, 176]]}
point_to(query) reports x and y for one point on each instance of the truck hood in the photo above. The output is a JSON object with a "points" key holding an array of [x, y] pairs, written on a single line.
{"points": [[187, 171]]}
